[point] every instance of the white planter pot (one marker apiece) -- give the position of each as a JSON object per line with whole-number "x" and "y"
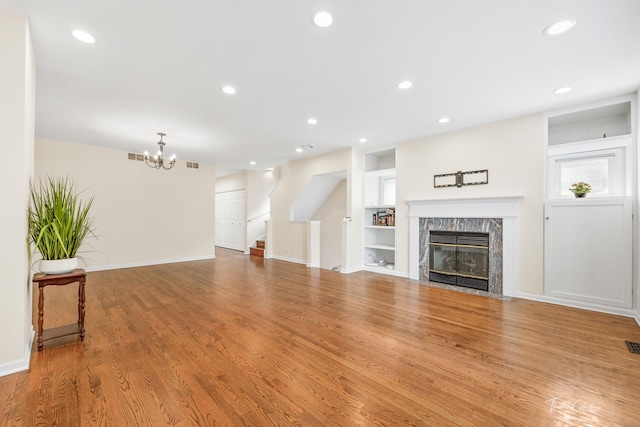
{"x": 58, "y": 266}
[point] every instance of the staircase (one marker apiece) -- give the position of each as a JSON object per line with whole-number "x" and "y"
{"x": 258, "y": 249}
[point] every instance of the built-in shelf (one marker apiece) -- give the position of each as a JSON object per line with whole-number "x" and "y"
{"x": 600, "y": 132}
{"x": 379, "y": 201}
{"x": 380, "y": 269}
{"x": 589, "y": 124}
{"x": 384, "y": 247}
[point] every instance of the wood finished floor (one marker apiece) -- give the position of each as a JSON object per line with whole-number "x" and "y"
{"x": 245, "y": 341}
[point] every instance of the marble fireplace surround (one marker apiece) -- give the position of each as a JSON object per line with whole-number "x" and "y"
{"x": 505, "y": 208}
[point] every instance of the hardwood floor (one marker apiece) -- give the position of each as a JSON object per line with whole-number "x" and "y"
{"x": 247, "y": 341}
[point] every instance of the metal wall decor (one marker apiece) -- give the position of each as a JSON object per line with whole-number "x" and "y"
{"x": 458, "y": 179}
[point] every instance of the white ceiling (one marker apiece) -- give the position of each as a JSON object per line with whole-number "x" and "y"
{"x": 159, "y": 65}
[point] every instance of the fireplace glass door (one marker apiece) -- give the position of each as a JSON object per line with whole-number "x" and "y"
{"x": 459, "y": 258}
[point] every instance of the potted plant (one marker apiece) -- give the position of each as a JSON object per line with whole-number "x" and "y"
{"x": 58, "y": 223}
{"x": 580, "y": 189}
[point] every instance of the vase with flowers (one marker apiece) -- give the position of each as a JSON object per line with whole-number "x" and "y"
{"x": 580, "y": 189}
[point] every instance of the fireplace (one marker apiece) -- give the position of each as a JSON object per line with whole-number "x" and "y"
{"x": 497, "y": 216}
{"x": 459, "y": 258}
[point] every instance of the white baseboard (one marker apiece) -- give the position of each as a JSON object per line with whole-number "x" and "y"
{"x": 148, "y": 263}
{"x": 350, "y": 270}
{"x": 20, "y": 364}
{"x": 297, "y": 261}
{"x": 387, "y": 271}
{"x": 626, "y": 312}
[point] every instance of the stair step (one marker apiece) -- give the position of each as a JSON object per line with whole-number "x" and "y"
{"x": 259, "y": 252}
{"x": 260, "y": 244}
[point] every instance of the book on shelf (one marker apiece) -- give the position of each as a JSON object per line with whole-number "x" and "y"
{"x": 386, "y": 218}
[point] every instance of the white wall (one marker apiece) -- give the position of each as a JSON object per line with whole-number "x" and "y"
{"x": 330, "y": 215}
{"x": 235, "y": 182}
{"x": 17, "y": 100}
{"x": 290, "y": 239}
{"x": 142, "y": 215}
{"x": 258, "y": 186}
{"x": 636, "y": 192}
{"x": 512, "y": 151}
{"x": 353, "y": 230}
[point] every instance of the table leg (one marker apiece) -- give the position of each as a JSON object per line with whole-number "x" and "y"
{"x": 81, "y": 299}
{"x": 40, "y": 317}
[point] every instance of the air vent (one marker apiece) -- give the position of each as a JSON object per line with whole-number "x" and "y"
{"x": 192, "y": 165}
{"x": 134, "y": 156}
{"x": 633, "y": 347}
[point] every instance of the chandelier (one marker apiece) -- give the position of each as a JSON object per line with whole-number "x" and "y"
{"x": 157, "y": 160}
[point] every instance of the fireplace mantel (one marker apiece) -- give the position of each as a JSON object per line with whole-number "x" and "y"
{"x": 472, "y": 207}
{"x": 505, "y": 207}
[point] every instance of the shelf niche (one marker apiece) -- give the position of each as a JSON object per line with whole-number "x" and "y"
{"x": 596, "y": 123}
{"x": 380, "y": 199}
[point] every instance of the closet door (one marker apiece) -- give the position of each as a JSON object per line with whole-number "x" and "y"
{"x": 588, "y": 250}
{"x": 230, "y": 220}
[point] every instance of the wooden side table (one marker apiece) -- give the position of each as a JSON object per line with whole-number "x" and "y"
{"x": 43, "y": 280}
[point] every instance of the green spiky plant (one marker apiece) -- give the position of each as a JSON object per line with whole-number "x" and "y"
{"x": 58, "y": 219}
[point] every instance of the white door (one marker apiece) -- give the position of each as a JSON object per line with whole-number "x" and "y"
{"x": 230, "y": 220}
{"x": 588, "y": 250}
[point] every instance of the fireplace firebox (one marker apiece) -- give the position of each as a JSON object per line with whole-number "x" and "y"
{"x": 459, "y": 258}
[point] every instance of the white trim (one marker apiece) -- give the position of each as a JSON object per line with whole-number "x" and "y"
{"x": 616, "y": 150}
{"x": 472, "y": 207}
{"x": 557, "y": 288}
{"x": 505, "y": 207}
{"x": 294, "y": 260}
{"x": 589, "y": 106}
{"x": 147, "y": 263}
{"x": 313, "y": 244}
{"x": 21, "y": 364}
{"x": 388, "y": 271}
{"x": 626, "y": 312}
{"x": 351, "y": 270}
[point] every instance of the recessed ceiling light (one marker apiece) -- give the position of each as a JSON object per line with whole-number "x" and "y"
{"x": 405, "y": 84}
{"x": 362, "y": 140}
{"x": 562, "y": 90}
{"x": 299, "y": 150}
{"x": 322, "y": 19}
{"x": 83, "y": 36}
{"x": 312, "y": 120}
{"x": 443, "y": 120}
{"x": 229, "y": 90}
{"x": 559, "y": 27}
{"x": 252, "y": 162}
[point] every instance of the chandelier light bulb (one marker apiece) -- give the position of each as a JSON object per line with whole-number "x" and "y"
{"x": 158, "y": 160}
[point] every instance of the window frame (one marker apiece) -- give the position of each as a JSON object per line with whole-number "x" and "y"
{"x": 616, "y": 149}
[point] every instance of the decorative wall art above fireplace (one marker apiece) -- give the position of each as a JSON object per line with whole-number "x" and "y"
{"x": 458, "y": 179}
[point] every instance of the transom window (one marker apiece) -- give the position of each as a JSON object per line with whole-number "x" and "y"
{"x": 601, "y": 163}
